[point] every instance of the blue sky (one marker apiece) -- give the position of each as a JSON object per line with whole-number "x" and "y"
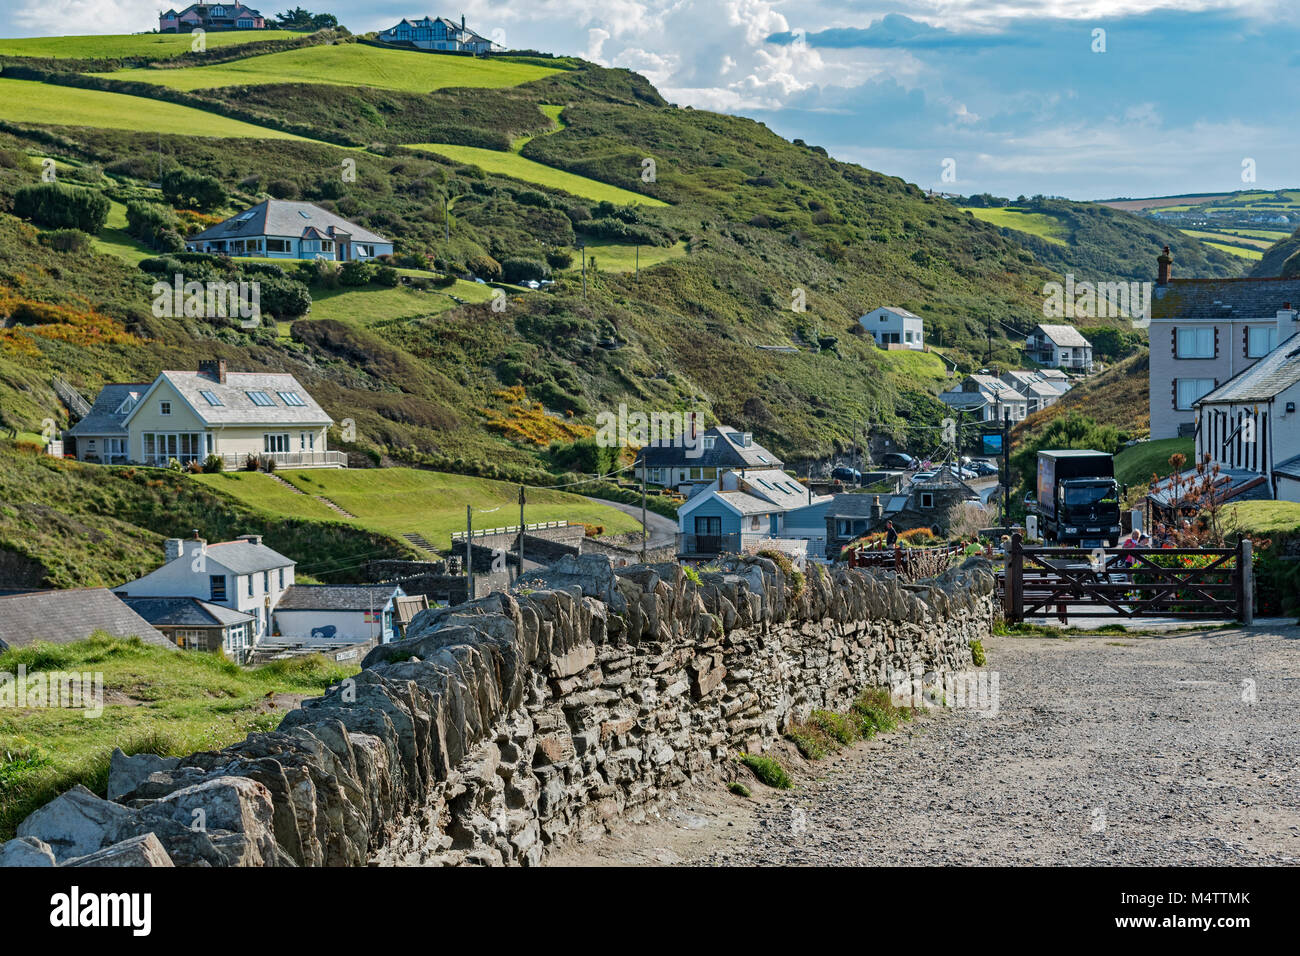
{"x": 1017, "y": 94}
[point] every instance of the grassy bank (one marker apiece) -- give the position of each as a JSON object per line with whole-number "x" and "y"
{"x": 155, "y": 700}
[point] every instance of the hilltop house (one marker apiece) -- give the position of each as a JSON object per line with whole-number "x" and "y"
{"x": 690, "y": 466}
{"x": 438, "y": 33}
{"x": 188, "y": 416}
{"x": 211, "y": 16}
{"x": 740, "y": 511}
{"x": 279, "y": 229}
{"x": 895, "y": 328}
{"x": 1205, "y": 332}
{"x": 1059, "y": 346}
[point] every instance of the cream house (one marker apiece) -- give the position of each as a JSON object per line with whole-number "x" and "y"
{"x": 187, "y": 416}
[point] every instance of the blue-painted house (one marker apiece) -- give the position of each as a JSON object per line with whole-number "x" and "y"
{"x": 739, "y": 512}
{"x": 279, "y": 229}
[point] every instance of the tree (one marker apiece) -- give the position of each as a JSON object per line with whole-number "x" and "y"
{"x": 57, "y": 206}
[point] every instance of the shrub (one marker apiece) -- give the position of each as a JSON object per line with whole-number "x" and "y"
{"x": 519, "y": 269}
{"x": 768, "y": 771}
{"x": 62, "y": 207}
{"x": 213, "y": 465}
{"x": 282, "y": 188}
{"x": 251, "y": 462}
{"x": 977, "y": 653}
{"x": 66, "y": 240}
{"x": 147, "y": 221}
{"x": 875, "y": 712}
{"x": 356, "y": 273}
{"x": 559, "y": 258}
{"x": 188, "y": 190}
{"x": 283, "y": 297}
{"x": 739, "y": 789}
{"x": 387, "y": 276}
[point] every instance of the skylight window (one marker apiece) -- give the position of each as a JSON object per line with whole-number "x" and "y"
{"x": 292, "y": 398}
{"x": 260, "y": 398}
{"x": 210, "y": 398}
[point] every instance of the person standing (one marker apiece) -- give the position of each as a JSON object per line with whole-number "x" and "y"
{"x": 891, "y": 536}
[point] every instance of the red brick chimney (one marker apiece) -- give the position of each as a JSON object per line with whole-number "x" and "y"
{"x": 214, "y": 369}
{"x": 1166, "y": 262}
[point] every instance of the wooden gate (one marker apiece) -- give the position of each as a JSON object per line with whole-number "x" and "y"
{"x": 1127, "y": 583}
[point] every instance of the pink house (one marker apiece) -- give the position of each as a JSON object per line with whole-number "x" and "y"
{"x": 211, "y": 16}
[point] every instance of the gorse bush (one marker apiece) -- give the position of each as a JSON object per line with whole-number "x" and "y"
{"x": 62, "y": 207}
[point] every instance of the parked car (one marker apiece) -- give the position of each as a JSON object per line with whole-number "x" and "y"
{"x": 923, "y": 476}
{"x": 983, "y": 468}
{"x": 848, "y": 475}
{"x": 896, "y": 459}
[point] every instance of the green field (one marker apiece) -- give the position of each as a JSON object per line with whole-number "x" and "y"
{"x": 1263, "y": 517}
{"x": 115, "y": 46}
{"x": 1237, "y": 250}
{"x": 1034, "y": 223}
{"x": 349, "y": 64}
{"x": 615, "y": 257}
{"x": 156, "y": 700}
{"x": 373, "y": 303}
{"x": 917, "y": 367}
{"x": 25, "y": 101}
{"x": 517, "y": 167}
{"x": 398, "y": 500}
{"x": 114, "y": 241}
{"x": 1134, "y": 465}
{"x": 1228, "y": 238}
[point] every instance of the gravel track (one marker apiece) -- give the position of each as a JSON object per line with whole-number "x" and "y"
{"x": 1111, "y": 749}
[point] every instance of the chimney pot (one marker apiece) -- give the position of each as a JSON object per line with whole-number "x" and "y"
{"x": 1165, "y": 262}
{"x": 214, "y": 369}
{"x": 251, "y": 538}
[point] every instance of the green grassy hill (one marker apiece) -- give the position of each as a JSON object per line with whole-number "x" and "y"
{"x": 746, "y": 242}
{"x": 1280, "y": 259}
{"x": 1100, "y": 243}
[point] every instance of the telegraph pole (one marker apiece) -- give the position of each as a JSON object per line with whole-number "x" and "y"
{"x": 582, "y": 247}
{"x": 636, "y": 275}
{"x": 521, "y": 531}
{"x": 469, "y": 553}
{"x": 1006, "y": 467}
{"x": 643, "y": 515}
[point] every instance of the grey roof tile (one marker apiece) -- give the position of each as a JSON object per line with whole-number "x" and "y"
{"x": 62, "y": 617}
{"x": 1223, "y": 298}
{"x": 279, "y": 217}
{"x": 328, "y": 597}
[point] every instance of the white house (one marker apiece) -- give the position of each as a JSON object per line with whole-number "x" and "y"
{"x": 895, "y": 328}
{"x": 1250, "y": 422}
{"x": 339, "y": 613}
{"x": 187, "y": 416}
{"x": 279, "y": 229}
{"x": 991, "y": 398}
{"x": 1059, "y": 346}
{"x": 430, "y": 33}
{"x": 243, "y": 575}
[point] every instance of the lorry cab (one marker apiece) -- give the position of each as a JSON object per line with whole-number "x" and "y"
{"x": 1087, "y": 511}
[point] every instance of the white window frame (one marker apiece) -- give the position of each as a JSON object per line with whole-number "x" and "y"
{"x": 1199, "y": 343}
{"x": 1193, "y": 384}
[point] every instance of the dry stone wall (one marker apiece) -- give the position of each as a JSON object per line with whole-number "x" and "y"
{"x": 514, "y": 724}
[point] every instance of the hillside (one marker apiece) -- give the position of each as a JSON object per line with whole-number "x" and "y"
{"x": 744, "y": 241}
{"x": 1280, "y": 259}
{"x": 1100, "y": 243}
{"x": 1244, "y": 223}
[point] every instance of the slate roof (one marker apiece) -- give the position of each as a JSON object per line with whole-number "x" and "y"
{"x": 1066, "y": 336}
{"x": 184, "y": 612}
{"x": 62, "y": 617}
{"x": 104, "y": 418}
{"x": 1274, "y": 373}
{"x": 855, "y": 504}
{"x": 747, "y": 504}
{"x": 1243, "y": 298}
{"x": 409, "y": 605}
{"x": 244, "y": 557}
{"x": 329, "y": 597}
{"x": 727, "y": 452}
{"x": 280, "y": 217}
{"x": 237, "y": 408}
{"x": 1231, "y": 484}
{"x": 775, "y": 486}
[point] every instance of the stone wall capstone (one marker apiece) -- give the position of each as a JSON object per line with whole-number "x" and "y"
{"x": 500, "y": 729}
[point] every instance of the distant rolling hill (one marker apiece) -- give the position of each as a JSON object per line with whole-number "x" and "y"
{"x": 1099, "y": 243}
